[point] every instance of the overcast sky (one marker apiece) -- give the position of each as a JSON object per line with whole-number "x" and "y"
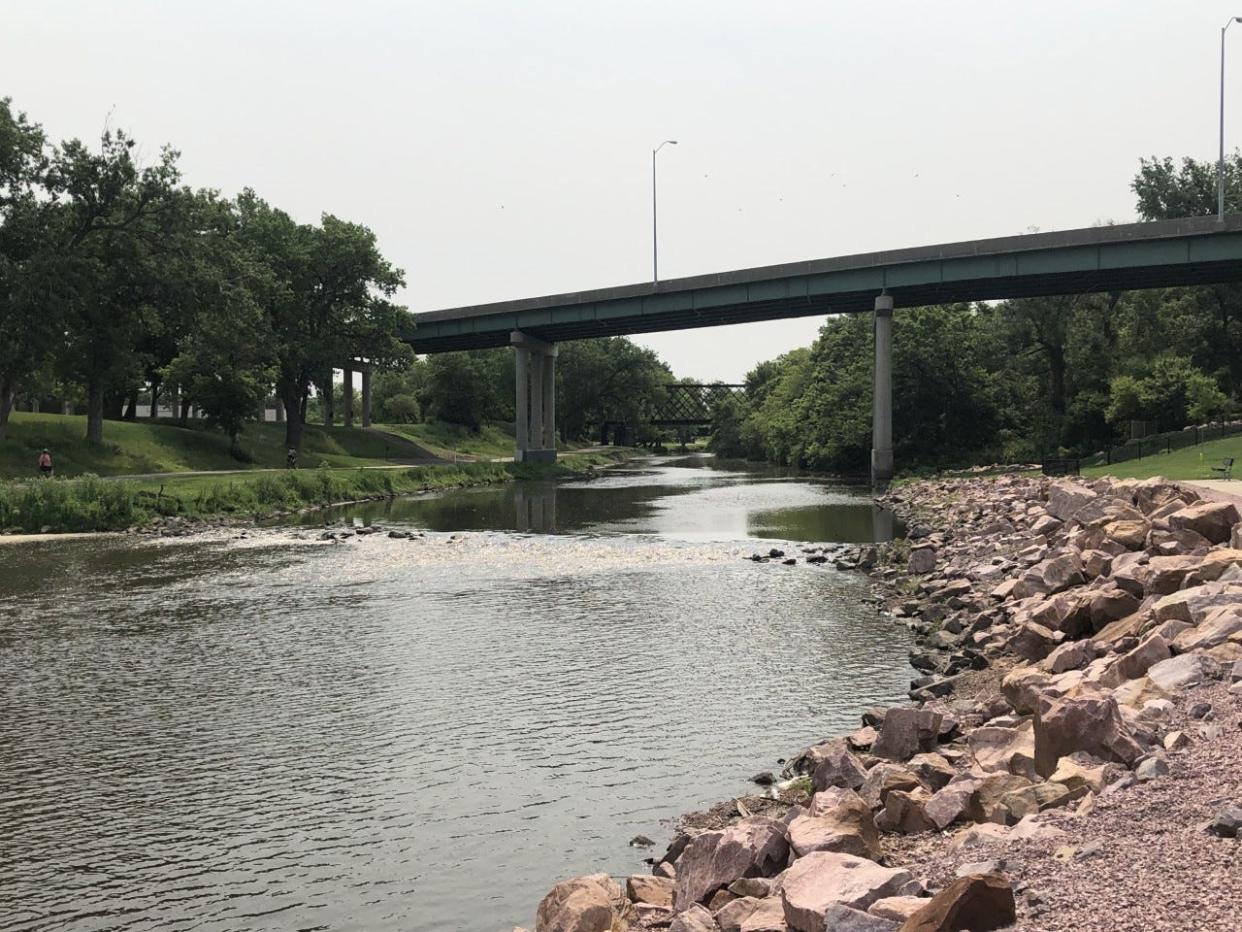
{"x": 503, "y": 149}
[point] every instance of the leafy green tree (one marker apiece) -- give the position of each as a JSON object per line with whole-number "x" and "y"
{"x": 115, "y": 216}
{"x": 607, "y": 379}
{"x": 330, "y": 303}
{"x": 29, "y": 313}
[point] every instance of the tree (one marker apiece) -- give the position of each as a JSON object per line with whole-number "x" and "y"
{"x": 607, "y": 379}
{"x": 29, "y": 325}
{"x": 459, "y": 389}
{"x": 330, "y": 302}
{"x": 225, "y": 359}
{"x": 115, "y": 220}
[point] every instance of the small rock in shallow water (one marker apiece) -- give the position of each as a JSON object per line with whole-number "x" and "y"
{"x": 776, "y": 554}
{"x": 767, "y": 778}
{"x": 641, "y": 841}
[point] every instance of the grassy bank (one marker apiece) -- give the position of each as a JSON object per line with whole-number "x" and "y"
{"x": 449, "y": 440}
{"x": 1190, "y": 463}
{"x": 91, "y": 503}
{"x": 136, "y": 447}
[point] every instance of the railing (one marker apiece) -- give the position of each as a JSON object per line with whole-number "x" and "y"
{"x": 1163, "y": 443}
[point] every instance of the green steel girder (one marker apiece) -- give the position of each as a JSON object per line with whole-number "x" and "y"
{"x": 1114, "y": 258}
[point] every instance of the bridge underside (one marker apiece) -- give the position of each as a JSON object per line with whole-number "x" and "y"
{"x": 1100, "y": 259}
{"x": 1198, "y": 251}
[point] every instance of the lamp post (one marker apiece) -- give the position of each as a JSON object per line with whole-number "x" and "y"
{"x": 655, "y": 249}
{"x": 1220, "y": 165}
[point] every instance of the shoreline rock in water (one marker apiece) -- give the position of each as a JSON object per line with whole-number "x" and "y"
{"x": 1072, "y": 760}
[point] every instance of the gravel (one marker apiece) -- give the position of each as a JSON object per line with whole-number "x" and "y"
{"x": 1141, "y": 859}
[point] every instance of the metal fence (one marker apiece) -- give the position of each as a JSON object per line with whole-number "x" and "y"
{"x": 1163, "y": 443}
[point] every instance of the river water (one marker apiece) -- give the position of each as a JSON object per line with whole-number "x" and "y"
{"x": 278, "y": 733}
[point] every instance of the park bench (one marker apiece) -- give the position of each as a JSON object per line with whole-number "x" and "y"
{"x": 1225, "y": 468}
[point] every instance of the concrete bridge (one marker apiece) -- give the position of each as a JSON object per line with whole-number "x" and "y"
{"x": 1098, "y": 259}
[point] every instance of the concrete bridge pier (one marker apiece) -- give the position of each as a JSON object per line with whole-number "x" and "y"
{"x": 366, "y": 397}
{"x": 882, "y": 399}
{"x": 535, "y": 367}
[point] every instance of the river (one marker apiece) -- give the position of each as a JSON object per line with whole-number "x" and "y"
{"x": 272, "y": 732}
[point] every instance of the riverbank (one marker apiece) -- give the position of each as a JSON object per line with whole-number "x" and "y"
{"x": 1071, "y": 759}
{"x": 91, "y": 504}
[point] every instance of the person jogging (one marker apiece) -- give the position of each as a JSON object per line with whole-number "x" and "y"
{"x": 45, "y": 464}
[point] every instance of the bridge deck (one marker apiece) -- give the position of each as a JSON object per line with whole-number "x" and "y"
{"x": 1199, "y": 250}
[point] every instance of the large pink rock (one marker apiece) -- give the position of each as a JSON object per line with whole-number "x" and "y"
{"x": 814, "y": 883}
{"x": 848, "y": 828}
{"x": 644, "y": 888}
{"x": 1213, "y": 520}
{"x": 951, "y": 804}
{"x": 1066, "y": 497}
{"x": 768, "y": 916}
{"x": 1221, "y": 625}
{"x": 1089, "y": 723}
{"x": 1150, "y": 651}
{"x": 694, "y": 919}
{"x": 1051, "y": 576}
{"x": 835, "y": 765}
{"x": 754, "y": 847}
{"x": 1004, "y": 750}
{"x": 582, "y": 904}
{"x": 907, "y": 732}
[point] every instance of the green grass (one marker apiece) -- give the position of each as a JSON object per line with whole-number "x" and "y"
{"x": 445, "y": 440}
{"x": 91, "y": 503}
{"x": 1189, "y": 463}
{"x": 136, "y": 447}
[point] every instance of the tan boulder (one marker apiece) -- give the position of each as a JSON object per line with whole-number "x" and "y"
{"x": 1215, "y": 565}
{"x": 1072, "y": 656}
{"x": 768, "y": 916}
{"x": 694, "y": 919}
{"x": 905, "y": 813}
{"x": 933, "y": 769}
{"x": 754, "y": 847}
{"x": 1086, "y": 723}
{"x": 1081, "y": 772}
{"x": 731, "y": 916}
{"x": 814, "y": 883}
{"x": 1035, "y": 798}
{"x": 581, "y": 904}
{"x": 1213, "y": 520}
{"x": 897, "y": 908}
{"x": 644, "y": 888}
{"x": 986, "y": 805}
{"x": 1107, "y": 604}
{"x": 1022, "y": 687}
{"x": 1182, "y": 672}
{"x": 1035, "y": 641}
{"x": 1220, "y": 625}
{"x": 1096, "y": 563}
{"x": 952, "y": 803}
{"x": 979, "y": 902}
{"x": 1165, "y": 575}
{"x": 906, "y": 732}
{"x": 1131, "y": 534}
{"x": 883, "y": 779}
{"x": 1066, "y": 497}
{"x": 1133, "y": 664}
{"x": 1051, "y": 576}
{"x": 1191, "y": 605}
{"x": 1004, "y": 750}
{"x": 848, "y": 828}
{"x": 834, "y": 764}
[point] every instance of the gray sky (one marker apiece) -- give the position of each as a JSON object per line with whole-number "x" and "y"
{"x": 502, "y": 149}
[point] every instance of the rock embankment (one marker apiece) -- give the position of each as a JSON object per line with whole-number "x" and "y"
{"x": 1073, "y": 758}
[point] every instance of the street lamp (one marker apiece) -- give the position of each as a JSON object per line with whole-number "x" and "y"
{"x": 655, "y": 251}
{"x": 1220, "y": 165}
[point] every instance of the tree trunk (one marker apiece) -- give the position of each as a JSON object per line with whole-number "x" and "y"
{"x": 185, "y": 411}
{"x": 131, "y": 407}
{"x": 294, "y": 399}
{"x": 155, "y": 398}
{"x": 8, "y": 392}
{"x": 94, "y": 413}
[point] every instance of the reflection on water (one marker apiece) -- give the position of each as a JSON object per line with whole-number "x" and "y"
{"x": 685, "y": 498}
{"x": 278, "y": 733}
